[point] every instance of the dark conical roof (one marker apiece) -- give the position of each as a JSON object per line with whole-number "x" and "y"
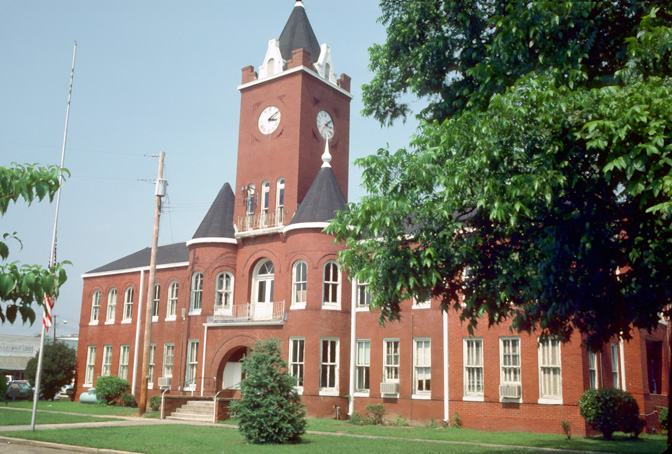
{"x": 323, "y": 199}
{"x": 170, "y": 253}
{"x": 218, "y": 222}
{"x": 298, "y": 34}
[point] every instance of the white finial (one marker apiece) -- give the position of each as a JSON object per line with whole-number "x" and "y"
{"x": 298, "y": 3}
{"x": 326, "y": 156}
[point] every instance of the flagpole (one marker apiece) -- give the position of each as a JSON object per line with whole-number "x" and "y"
{"x": 48, "y": 300}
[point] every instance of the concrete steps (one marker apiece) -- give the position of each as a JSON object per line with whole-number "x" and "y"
{"x": 194, "y": 411}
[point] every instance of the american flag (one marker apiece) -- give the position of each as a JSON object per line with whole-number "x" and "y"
{"x": 49, "y": 300}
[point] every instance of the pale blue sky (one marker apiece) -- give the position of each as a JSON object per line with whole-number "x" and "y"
{"x": 150, "y": 75}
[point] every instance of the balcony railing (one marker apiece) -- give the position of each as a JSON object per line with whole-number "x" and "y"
{"x": 261, "y": 221}
{"x": 252, "y": 312}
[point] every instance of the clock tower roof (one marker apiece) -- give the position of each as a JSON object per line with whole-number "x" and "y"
{"x": 298, "y": 34}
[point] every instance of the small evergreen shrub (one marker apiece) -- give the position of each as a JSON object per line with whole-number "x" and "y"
{"x": 128, "y": 400}
{"x": 270, "y": 409}
{"x": 110, "y": 389}
{"x": 155, "y": 403}
{"x": 567, "y": 428}
{"x": 377, "y": 412}
{"x": 662, "y": 417}
{"x": 610, "y": 410}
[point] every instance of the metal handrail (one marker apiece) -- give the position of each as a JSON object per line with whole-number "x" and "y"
{"x": 162, "y": 395}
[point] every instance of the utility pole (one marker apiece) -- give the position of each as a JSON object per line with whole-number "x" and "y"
{"x": 159, "y": 192}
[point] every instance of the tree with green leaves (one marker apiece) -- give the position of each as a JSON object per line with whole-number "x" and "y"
{"x": 537, "y": 190}
{"x": 270, "y": 410}
{"x": 58, "y": 368}
{"x": 22, "y": 285}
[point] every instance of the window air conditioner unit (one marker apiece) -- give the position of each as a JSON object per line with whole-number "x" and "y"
{"x": 165, "y": 382}
{"x": 389, "y": 388}
{"x": 510, "y": 391}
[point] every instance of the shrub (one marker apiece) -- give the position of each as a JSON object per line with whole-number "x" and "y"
{"x": 431, "y": 424}
{"x": 270, "y": 409}
{"x": 109, "y": 389}
{"x": 609, "y": 410}
{"x": 155, "y": 403}
{"x": 377, "y": 412}
{"x": 58, "y": 368}
{"x": 128, "y": 400}
{"x": 400, "y": 421}
{"x": 456, "y": 421}
{"x": 662, "y": 417}
{"x": 567, "y": 428}
{"x": 359, "y": 419}
{"x": 3, "y": 387}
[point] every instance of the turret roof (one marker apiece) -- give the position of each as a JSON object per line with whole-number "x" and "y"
{"x": 218, "y": 222}
{"x": 322, "y": 200}
{"x": 298, "y": 34}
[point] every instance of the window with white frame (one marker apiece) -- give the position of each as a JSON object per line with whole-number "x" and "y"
{"x": 152, "y": 362}
{"x": 155, "y": 302}
{"x": 391, "y": 360}
{"x": 296, "y": 361}
{"x": 168, "y": 356}
{"x": 329, "y": 366}
{"x": 280, "y": 201}
{"x": 95, "y": 307}
{"x": 550, "y": 371}
{"x": 171, "y": 310}
{"x": 592, "y": 369}
{"x": 615, "y": 375}
{"x": 362, "y": 365}
{"x": 509, "y": 350}
{"x": 196, "y": 300}
{"x": 264, "y": 282}
{"x": 111, "y": 305}
{"x": 90, "y": 365}
{"x": 426, "y": 304}
{"x": 192, "y": 363}
{"x": 473, "y": 367}
{"x": 363, "y": 296}
{"x": 128, "y": 305}
{"x": 224, "y": 292}
{"x": 107, "y": 361}
{"x": 299, "y": 284}
{"x": 123, "y": 362}
{"x": 250, "y": 200}
{"x": 265, "y": 201}
{"x": 422, "y": 367}
{"x": 331, "y": 285}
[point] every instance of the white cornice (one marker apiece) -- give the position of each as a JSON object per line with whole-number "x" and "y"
{"x": 207, "y": 240}
{"x": 306, "y": 225}
{"x": 292, "y": 71}
{"x": 134, "y": 270}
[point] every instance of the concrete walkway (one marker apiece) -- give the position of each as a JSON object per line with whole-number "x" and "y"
{"x": 27, "y": 445}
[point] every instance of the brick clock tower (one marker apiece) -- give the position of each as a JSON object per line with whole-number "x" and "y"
{"x": 288, "y": 113}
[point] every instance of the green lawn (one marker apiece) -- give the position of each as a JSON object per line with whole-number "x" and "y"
{"x": 18, "y": 418}
{"x": 77, "y": 407}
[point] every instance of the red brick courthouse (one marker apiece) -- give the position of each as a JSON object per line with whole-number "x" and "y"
{"x": 259, "y": 266}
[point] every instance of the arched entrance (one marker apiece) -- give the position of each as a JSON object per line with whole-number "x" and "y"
{"x": 232, "y": 372}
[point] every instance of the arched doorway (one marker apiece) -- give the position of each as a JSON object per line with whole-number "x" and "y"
{"x": 232, "y": 374}
{"x": 262, "y": 290}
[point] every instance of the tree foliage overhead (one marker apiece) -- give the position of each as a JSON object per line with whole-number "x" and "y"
{"x": 58, "y": 368}
{"x": 21, "y": 285}
{"x": 539, "y": 188}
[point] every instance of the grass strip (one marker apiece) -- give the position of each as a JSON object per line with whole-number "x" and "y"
{"x": 78, "y": 407}
{"x": 19, "y": 418}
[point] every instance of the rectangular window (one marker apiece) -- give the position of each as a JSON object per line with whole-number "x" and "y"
{"x": 196, "y": 293}
{"x": 123, "y": 362}
{"x": 362, "y": 366}
{"x": 107, "y": 361}
{"x": 592, "y": 369}
{"x": 192, "y": 363}
{"x": 615, "y": 376}
{"x": 152, "y": 362}
{"x": 90, "y": 365}
{"x": 422, "y": 367}
{"x": 111, "y": 306}
{"x": 168, "y": 355}
{"x": 391, "y": 360}
{"x": 95, "y": 307}
{"x": 473, "y": 367}
{"x": 363, "y": 296}
{"x": 426, "y": 304}
{"x": 128, "y": 304}
{"x": 331, "y": 285}
{"x": 299, "y": 284}
{"x": 296, "y": 349}
{"x": 329, "y": 366}
{"x": 171, "y": 311}
{"x": 550, "y": 372}
{"x": 510, "y": 360}
{"x": 155, "y": 302}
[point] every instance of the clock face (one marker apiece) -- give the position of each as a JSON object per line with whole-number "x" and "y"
{"x": 269, "y": 119}
{"x": 325, "y": 124}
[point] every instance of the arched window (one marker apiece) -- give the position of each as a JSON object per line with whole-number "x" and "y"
{"x": 327, "y": 71}
{"x": 196, "y": 293}
{"x": 128, "y": 304}
{"x": 264, "y": 276}
{"x": 111, "y": 305}
{"x": 171, "y": 310}
{"x": 265, "y": 194}
{"x": 299, "y": 284}
{"x": 224, "y": 292}
{"x": 250, "y": 199}
{"x": 270, "y": 67}
{"x": 331, "y": 288}
{"x": 280, "y": 202}
{"x": 155, "y": 302}
{"x": 95, "y": 306}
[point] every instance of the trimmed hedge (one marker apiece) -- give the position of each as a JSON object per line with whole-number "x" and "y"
{"x": 611, "y": 410}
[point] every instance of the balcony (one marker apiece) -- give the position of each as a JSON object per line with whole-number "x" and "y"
{"x": 251, "y": 314}
{"x": 252, "y": 224}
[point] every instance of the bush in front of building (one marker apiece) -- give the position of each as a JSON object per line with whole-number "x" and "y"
{"x": 155, "y": 403}
{"x": 662, "y": 417}
{"x": 128, "y": 400}
{"x": 58, "y": 368}
{"x": 3, "y": 387}
{"x": 611, "y": 410}
{"x": 270, "y": 408}
{"x": 110, "y": 389}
